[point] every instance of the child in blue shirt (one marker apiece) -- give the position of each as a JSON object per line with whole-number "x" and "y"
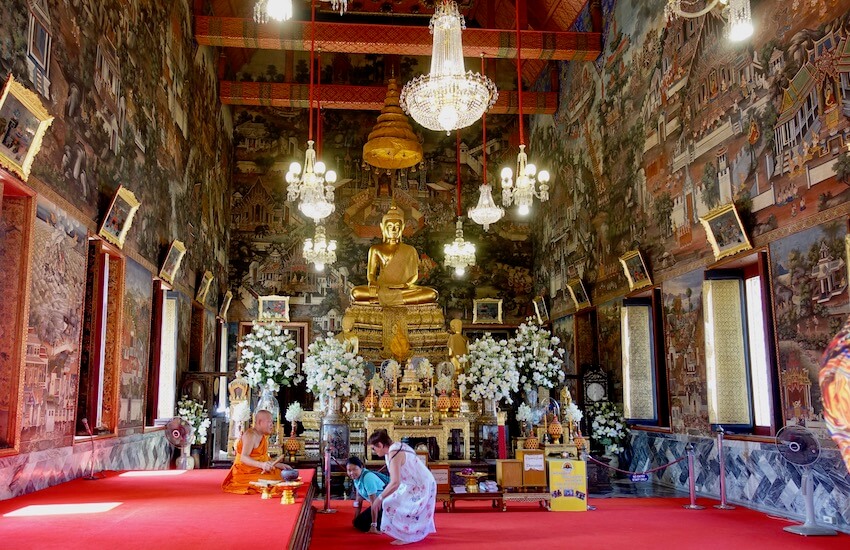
{"x": 368, "y": 485}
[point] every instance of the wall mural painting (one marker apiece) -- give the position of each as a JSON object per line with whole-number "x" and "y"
{"x": 184, "y": 336}
{"x": 685, "y": 348}
{"x": 811, "y": 303}
{"x": 684, "y": 120}
{"x": 267, "y": 233}
{"x": 135, "y": 344}
{"x": 210, "y": 327}
{"x": 610, "y": 345}
{"x": 53, "y": 336}
{"x": 564, "y": 328}
{"x": 13, "y": 216}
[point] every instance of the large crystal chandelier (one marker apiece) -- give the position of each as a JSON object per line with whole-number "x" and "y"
{"x": 447, "y": 98}
{"x": 279, "y": 10}
{"x": 459, "y": 253}
{"x": 319, "y": 250}
{"x": 314, "y": 185}
{"x": 737, "y": 12}
{"x": 485, "y": 212}
{"x": 523, "y": 191}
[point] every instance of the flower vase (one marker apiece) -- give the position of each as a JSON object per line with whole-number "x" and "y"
{"x": 268, "y": 402}
{"x": 335, "y": 432}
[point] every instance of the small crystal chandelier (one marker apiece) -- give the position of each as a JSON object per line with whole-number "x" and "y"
{"x": 314, "y": 186}
{"x": 447, "y": 98}
{"x": 319, "y": 250}
{"x": 459, "y": 253}
{"x": 340, "y": 5}
{"x": 523, "y": 192}
{"x": 485, "y": 212}
{"x": 738, "y": 13}
{"x": 279, "y": 10}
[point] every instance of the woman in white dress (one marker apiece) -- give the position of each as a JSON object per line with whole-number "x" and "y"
{"x": 409, "y": 499}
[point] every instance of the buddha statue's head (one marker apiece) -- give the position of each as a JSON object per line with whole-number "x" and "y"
{"x": 392, "y": 224}
{"x": 456, "y": 325}
{"x": 348, "y": 322}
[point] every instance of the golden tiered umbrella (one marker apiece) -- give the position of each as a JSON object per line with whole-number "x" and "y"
{"x": 392, "y": 144}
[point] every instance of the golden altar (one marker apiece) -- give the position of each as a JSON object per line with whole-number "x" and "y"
{"x": 441, "y": 430}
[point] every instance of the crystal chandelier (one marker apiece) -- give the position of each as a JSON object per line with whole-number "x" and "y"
{"x": 523, "y": 191}
{"x": 737, "y": 12}
{"x": 340, "y": 5}
{"x": 459, "y": 253}
{"x": 314, "y": 185}
{"x": 448, "y": 97}
{"x": 319, "y": 250}
{"x": 485, "y": 212}
{"x": 279, "y": 10}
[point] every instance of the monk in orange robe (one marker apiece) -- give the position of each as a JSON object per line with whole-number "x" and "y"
{"x": 252, "y": 462}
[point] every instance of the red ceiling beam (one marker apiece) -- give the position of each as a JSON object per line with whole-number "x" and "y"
{"x": 236, "y": 32}
{"x": 368, "y": 98}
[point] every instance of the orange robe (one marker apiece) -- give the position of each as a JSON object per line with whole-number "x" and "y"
{"x": 241, "y": 474}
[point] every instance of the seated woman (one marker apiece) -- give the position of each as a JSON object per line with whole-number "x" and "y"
{"x": 369, "y": 486}
{"x": 409, "y": 499}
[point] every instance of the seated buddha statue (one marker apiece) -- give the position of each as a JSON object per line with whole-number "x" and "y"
{"x": 393, "y": 269}
{"x": 347, "y": 336}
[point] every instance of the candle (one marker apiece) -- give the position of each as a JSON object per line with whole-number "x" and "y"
{"x": 545, "y": 419}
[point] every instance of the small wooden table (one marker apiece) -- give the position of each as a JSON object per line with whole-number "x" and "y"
{"x": 495, "y": 498}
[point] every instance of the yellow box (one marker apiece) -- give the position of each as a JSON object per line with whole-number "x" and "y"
{"x": 509, "y": 473}
{"x": 567, "y": 485}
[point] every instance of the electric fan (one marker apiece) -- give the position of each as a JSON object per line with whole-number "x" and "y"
{"x": 799, "y": 446}
{"x": 179, "y": 433}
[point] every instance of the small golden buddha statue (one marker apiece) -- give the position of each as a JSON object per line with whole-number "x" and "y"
{"x": 457, "y": 344}
{"x": 393, "y": 269}
{"x": 347, "y": 337}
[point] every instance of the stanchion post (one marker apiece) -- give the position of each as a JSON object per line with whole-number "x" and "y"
{"x": 583, "y": 452}
{"x": 721, "y": 457}
{"x": 692, "y": 480}
{"x": 327, "y": 509}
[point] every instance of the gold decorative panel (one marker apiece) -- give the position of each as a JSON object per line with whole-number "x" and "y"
{"x": 726, "y": 365}
{"x": 638, "y": 390}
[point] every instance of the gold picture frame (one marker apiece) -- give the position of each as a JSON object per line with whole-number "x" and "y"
{"x": 487, "y": 310}
{"x": 225, "y": 305}
{"x": 273, "y": 308}
{"x": 204, "y": 287}
{"x": 540, "y": 309}
{"x": 23, "y": 123}
{"x": 119, "y": 217}
{"x": 635, "y": 269}
{"x": 578, "y": 293}
{"x": 725, "y": 231}
{"x": 171, "y": 265}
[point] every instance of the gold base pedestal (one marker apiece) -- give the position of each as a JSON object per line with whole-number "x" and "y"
{"x": 288, "y": 489}
{"x": 423, "y": 325}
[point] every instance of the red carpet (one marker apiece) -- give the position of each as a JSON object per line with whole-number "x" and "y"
{"x": 617, "y": 523}
{"x": 184, "y": 511}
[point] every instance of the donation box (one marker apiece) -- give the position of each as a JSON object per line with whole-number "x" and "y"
{"x": 568, "y": 485}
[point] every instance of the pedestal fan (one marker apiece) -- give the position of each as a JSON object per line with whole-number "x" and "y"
{"x": 799, "y": 446}
{"x": 179, "y": 433}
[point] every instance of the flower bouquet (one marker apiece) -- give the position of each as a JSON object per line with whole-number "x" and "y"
{"x": 333, "y": 371}
{"x": 490, "y": 371}
{"x": 269, "y": 357}
{"x": 539, "y": 359}
{"x": 195, "y": 414}
{"x": 608, "y": 427}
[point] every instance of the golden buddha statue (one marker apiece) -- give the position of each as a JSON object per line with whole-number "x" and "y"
{"x": 393, "y": 269}
{"x": 347, "y": 336}
{"x": 457, "y": 344}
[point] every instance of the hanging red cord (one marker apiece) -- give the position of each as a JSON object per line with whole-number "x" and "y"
{"x": 312, "y": 49}
{"x": 519, "y": 73}
{"x": 457, "y": 157}
{"x": 484, "y": 127}
{"x": 319, "y": 106}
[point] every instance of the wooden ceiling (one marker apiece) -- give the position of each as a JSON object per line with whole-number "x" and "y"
{"x": 391, "y": 27}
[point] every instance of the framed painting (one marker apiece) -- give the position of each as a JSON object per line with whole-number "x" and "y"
{"x": 725, "y": 232}
{"x": 168, "y": 272}
{"x": 578, "y": 293}
{"x": 225, "y": 305}
{"x": 487, "y": 310}
{"x": 273, "y": 308}
{"x": 23, "y": 123}
{"x": 540, "y": 309}
{"x": 635, "y": 270}
{"x": 204, "y": 288}
{"x": 119, "y": 217}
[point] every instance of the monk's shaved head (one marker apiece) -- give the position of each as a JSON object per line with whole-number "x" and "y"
{"x": 264, "y": 414}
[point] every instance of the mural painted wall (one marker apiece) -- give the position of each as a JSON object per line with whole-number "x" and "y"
{"x": 135, "y": 344}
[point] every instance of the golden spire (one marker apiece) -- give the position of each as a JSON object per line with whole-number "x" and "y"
{"x": 392, "y": 143}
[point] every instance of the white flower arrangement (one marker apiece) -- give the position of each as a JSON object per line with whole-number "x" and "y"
{"x": 490, "y": 370}
{"x": 333, "y": 371}
{"x": 392, "y": 370}
{"x": 523, "y": 413}
{"x": 539, "y": 359}
{"x": 378, "y": 384}
{"x": 572, "y": 413}
{"x": 241, "y": 411}
{"x": 269, "y": 357}
{"x": 294, "y": 412}
{"x": 195, "y": 414}
{"x": 607, "y": 427}
{"x": 444, "y": 384}
{"x": 424, "y": 369}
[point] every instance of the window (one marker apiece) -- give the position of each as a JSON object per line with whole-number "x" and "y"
{"x": 644, "y": 375}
